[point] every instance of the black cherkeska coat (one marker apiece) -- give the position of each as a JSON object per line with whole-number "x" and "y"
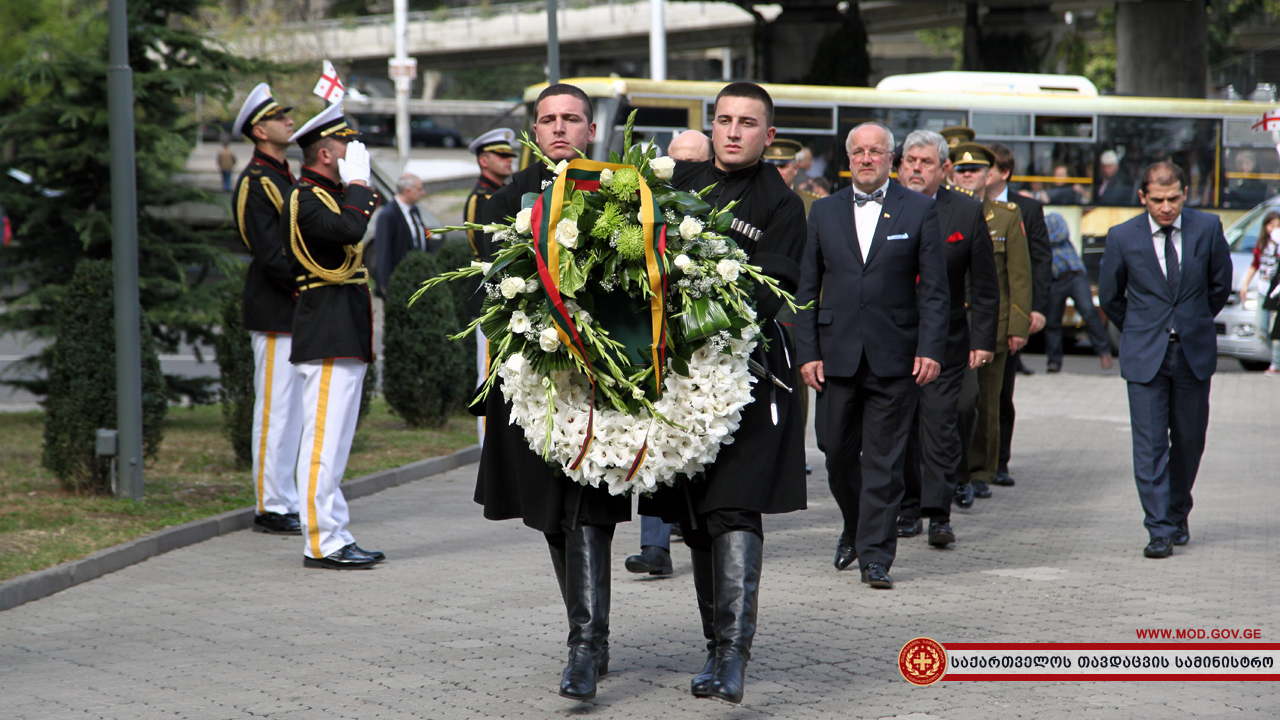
{"x": 256, "y": 209}
{"x": 763, "y": 469}
{"x": 515, "y": 482}
{"x": 332, "y": 321}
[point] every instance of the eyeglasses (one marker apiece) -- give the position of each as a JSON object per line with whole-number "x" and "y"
{"x": 872, "y": 153}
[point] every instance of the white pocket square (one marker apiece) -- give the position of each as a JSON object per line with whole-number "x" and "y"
{"x": 903, "y": 236}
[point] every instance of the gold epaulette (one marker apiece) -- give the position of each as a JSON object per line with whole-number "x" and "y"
{"x": 242, "y": 200}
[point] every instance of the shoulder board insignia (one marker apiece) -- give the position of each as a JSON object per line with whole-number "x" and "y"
{"x": 963, "y": 191}
{"x": 1011, "y": 205}
{"x": 255, "y": 170}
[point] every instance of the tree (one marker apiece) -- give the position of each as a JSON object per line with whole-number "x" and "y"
{"x": 234, "y": 351}
{"x": 59, "y": 136}
{"x": 82, "y": 382}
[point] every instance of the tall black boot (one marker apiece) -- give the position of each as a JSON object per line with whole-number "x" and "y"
{"x": 736, "y": 557}
{"x": 704, "y": 584}
{"x": 587, "y": 602}
{"x": 557, "y": 562}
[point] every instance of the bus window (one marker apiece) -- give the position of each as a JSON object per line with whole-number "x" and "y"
{"x": 1001, "y": 125}
{"x": 1249, "y": 176}
{"x": 1064, "y": 126}
{"x": 1129, "y": 144}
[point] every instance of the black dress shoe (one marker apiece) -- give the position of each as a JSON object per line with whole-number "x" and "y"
{"x": 347, "y": 558}
{"x": 1161, "y": 547}
{"x": 845, "y": 554}
{"x": 1053, "y": 368}
{"x": 875, "y": 575}
{"x": 1182, "y": 535}
{"x": 940, "y": 533}
{"x": 964, "y": 496}
{"x": 652, "y": 559}
{"x": 980, "y": 489}
{"x": 377, "y": 555}
{"x": 908, "y": 527}
{"x": 277, "y": 523}
{"x": 1002, "y": 479}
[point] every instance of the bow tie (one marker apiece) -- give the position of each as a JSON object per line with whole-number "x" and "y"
{"x": 875, "y": 197}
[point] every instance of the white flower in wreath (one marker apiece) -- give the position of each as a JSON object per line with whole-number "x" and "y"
{"x": 524, "y": 221}
{"x": 567, "y": 233}
{"x": 494, "y": 228}
{"x": 606, "y": 177}
{"x": 662, "y": 167}
{"x": 728, "y": 270}
{"x": 532, "y": 285}
{"x": 516, "y": 362}
{"x": 519, "y": 323}
{"x": 682, "y": 261}
{"x": 511, "y": 286}
{"x": 690, "y": 228}
{"x": 560, "y": 167}
{"x": 549, "y": 340}
{"x": 485, "y": 267}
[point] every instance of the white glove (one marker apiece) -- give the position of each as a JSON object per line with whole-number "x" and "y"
{"x": 355, "y": 166}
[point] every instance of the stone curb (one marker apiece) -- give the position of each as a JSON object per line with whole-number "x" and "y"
{"x": 43, "y": 583}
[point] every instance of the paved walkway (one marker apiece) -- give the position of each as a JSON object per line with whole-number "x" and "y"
{"x": 464, "y": 621}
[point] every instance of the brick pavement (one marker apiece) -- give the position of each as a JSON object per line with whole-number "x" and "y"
{"x": 464, "y": 621}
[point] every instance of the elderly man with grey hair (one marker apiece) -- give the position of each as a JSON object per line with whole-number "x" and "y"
{"x": 877, "y": 336}
{"x": 937, "y": 465}
{"x": 1114, "y": 187}
{"x": 399, "y": 231}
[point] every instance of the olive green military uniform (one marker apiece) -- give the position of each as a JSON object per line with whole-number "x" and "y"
{"x": 1013, "y": 268}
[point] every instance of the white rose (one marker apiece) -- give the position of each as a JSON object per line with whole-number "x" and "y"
{"x": 524, "y": 218}
{"x": 682, "y": 261}
{"x": 728, "y": 270}
{"x": 532, "y": 286}
{"x": 515, "y": 363}
{"x": 662, "y": 167}
{"x": 561, "y": 166}
{"x": 690, "y": 228}
{"x": 511, "y": 286}
{"x": 519, "y": 323}
{"x": 567, "y": 233}
{"x": 606, "y": 177}
{"x": 549, "y": 340}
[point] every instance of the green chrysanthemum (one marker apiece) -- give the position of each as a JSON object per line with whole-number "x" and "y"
{"x": 610, "y": 220}
{"x": 630, "y": 242}
{"x": 626, "y": 183}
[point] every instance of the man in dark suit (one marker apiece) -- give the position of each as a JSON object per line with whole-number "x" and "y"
{"x": 398, "y": 231}
{"x": 1165, "y": 275}
{"x": 874, "y": 259}
{"x": 934, "y": 446}
{"x": 1041, "y": 251}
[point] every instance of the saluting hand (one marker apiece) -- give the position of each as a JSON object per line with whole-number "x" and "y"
{"x": 354, "y": 168}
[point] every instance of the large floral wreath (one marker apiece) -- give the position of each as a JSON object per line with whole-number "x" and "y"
{"x": 620, "y": 320}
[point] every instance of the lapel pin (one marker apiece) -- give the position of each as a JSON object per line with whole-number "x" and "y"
{"x": 886, "y": 214}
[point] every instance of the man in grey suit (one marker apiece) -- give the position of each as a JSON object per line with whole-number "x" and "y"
{"x": 874, "y": 260}
{"x": 1165, "y": 275}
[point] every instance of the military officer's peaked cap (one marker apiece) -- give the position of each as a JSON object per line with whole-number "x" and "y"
{"x": 971, "y": 153}
{"x": 958, "y": 134}
{"x": 257, "y": 107}
{"x": 329, "y": 123}
{"x": 782, "y": 152}
{"x": 497, "y": 141}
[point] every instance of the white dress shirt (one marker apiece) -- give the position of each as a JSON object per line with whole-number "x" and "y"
{"x": 1157, "y": 239}
{"x": 414, "y": 229}
{"x": 866, "y": 218}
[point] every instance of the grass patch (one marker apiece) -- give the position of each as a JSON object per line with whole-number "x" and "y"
{"x": 193, "y": 477}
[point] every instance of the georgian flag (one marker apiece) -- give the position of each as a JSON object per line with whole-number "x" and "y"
{"x": 330, "y": 87}
{"x": 1269, "y": 121}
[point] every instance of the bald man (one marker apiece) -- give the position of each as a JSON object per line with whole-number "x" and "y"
{"x": 690, "y": 145}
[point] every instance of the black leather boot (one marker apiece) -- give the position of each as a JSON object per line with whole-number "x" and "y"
{"x": 587, "y": 602}
{"x": 736, "y": 557}
{"x": 557, "y": 562}
{"x": 704, "y": 584}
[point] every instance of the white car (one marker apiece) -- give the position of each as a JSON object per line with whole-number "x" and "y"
{"x": 1238, "y": 333}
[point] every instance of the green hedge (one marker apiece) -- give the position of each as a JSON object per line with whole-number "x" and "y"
{"x": 424, "y": 373}
{"x": 234, "y": 351}
{"x": 82, "y": 382}
{"x": 456, "y": 253}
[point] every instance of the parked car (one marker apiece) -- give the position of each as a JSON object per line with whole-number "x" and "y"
{"x": 1238, "y": 333}
{"x": 423, "y": 131}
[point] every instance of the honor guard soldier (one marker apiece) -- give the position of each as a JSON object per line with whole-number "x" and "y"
{"x": 268, "y": 311}
{"x": 494, "y": 155}
{"x": 328, "y": 211}
{"x": 954, "y": 136}
{"x": 972, "y": 162}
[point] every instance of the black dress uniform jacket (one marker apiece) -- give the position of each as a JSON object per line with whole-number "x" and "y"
{"x": 971, "y": 261}
{"x": 331, "y": 320}
{"x": 514, "y": 481}
{"x": 473, "y": 212}
{"x": 256, "y": 208}
{"x": 763, "y": 469}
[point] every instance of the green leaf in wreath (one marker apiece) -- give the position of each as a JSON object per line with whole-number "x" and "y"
{"x": 723, "y": 222}
{"x": 528, "y": 200}
{"x": 703, "y": 318}
{"x": 614, "y": 157}
{"x": 680, "y": 365}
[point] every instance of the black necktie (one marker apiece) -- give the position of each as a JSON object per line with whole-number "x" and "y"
{"x": 875, "y": 197}
{"x": 418, "y": 240}
{"x": 1172, "y": 268}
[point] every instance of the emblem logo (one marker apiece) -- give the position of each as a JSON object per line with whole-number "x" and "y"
{"x": 922, "y": 661}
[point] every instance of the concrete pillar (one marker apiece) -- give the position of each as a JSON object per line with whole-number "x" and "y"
{"x": 1162, "y": 48}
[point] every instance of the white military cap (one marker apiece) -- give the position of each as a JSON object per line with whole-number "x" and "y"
{"x": 257, "y": 107}
{"x": 497, "y": 141}
{"x": 329, "y": 123}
